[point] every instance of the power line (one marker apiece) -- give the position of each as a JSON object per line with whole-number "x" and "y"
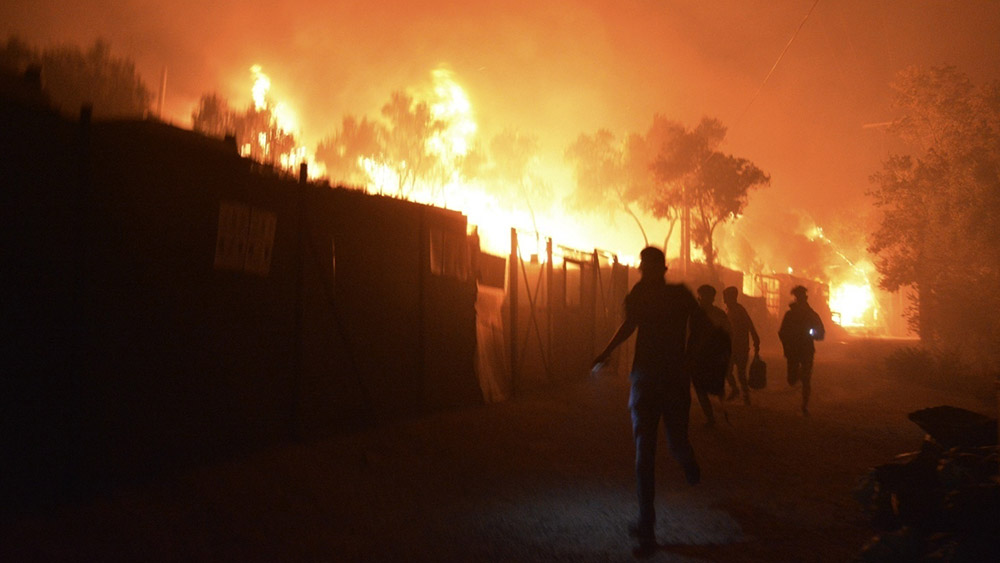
{"x": 775, "y": 65}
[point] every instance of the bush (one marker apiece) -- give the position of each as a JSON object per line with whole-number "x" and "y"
{"x": 940, "y": 369}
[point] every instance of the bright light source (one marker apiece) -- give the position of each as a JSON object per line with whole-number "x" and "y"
{"x": 853, "y": 302}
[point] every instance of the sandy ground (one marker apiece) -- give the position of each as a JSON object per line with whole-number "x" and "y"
{"x": 543, "y": 477}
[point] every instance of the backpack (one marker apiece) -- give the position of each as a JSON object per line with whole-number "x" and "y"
{"x": 711, "y": 364}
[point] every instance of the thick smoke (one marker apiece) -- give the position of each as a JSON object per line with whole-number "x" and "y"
{"x": 556, "y": 69}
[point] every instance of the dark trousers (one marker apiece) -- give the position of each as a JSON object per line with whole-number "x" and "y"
{"x": 706, "y": 405}
{"x": 739, "y": 360}
{"x": 800, "y": 369}
{"x": 646, "y": 415}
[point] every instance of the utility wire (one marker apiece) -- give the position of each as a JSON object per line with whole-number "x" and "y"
{"x": 775, "y": 65}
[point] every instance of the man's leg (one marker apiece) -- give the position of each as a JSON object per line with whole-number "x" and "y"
{"x": 793, "y": 370}
{"x": 740, "y": 363}
{"x": 805, "y": 373}
{"x": 706, "y": 406}
{"x": 645, "y": 421}
{"x": 676, "y": 414}
{"x": 733, "y": 389}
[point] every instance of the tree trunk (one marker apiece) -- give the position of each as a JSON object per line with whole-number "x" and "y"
{"x": 670, "y": 232}
{"x": 637, "y": 222}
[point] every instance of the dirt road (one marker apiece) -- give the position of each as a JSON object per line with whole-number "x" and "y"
{"x": 544, "y": 477}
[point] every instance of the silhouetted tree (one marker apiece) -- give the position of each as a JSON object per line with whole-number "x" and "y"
{"x": 719, "y": 193}
{"x": 513, "y": 156}
{"x": 266, "y": 139}
{"x": 940, "y": 209}
{"x": 257, "y": 132}
{"x": 214, "y": 117}
{"x": 679, "y": 152}
{"x": 16, "y": 55}
{"x": 476, "y": 162}
{"x": 697, "y": 179}
{"x": 343, "y": 152}
{"x": 409, "y": 126}
{"x": 667, "y": 171}
{"x": 72, "y": 77}
{"x": 599, "y": 167}
{"x": 664, "y": 160}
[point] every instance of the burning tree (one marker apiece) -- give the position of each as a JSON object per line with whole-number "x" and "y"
{"x": 345, "y": 151}
{"x": 940, "y": 209}
{"x": 416, "y": 150}
{"x": 410, "y": 124}
{"x": 259, "y": 130}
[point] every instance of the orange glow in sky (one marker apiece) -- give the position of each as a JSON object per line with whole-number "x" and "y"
{"x": 554, "y": 70}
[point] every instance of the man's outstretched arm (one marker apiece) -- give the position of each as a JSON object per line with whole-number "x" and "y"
{"x": 621, "y": 335}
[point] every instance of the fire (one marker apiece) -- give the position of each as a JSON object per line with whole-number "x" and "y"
{"x": 451, "y": 107}
{"x": 286, "y": 122}
{"x": 454, "y": 109}
{"x": 382, "y": 176}
{"x": 852, "y": 299}
{"x": 853, "y": 302}
{"x": 261, "y": 86}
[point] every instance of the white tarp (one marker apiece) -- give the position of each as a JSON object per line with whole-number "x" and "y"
{"x": 491, "y": 355}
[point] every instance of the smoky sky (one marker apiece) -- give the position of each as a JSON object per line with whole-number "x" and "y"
{"x": 558, "y": 68}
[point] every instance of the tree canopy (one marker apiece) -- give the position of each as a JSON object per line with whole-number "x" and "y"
{"x": 940, "y": 209}
{"x": 666, "y": 171}
{"x": 599, "y": 166}
{"x": 345, "y": 150}
{"x": 719, "y": 193}
{"x": 72, "y": 77}
{"x": 513, "y": 155}
{"x": 256, "y": 131}
{"x": 409, "y": 124}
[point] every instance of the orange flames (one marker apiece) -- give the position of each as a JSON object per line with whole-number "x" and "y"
{"x": 286, "y": 122}
{"x": 852, "y": 299}
{"x": 450, "y": 104}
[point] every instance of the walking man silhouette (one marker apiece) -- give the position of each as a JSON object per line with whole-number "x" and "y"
{"x": 742, "y": 331}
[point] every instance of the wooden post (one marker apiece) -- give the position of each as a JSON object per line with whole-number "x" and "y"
{"x": 594, "y": 290}
{"x": 296, "y": 425}
{"x": 549, "y": 301}
{"x": 512, "y": 289}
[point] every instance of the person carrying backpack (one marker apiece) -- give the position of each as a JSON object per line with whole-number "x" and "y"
{"x": 711, "y": 354}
